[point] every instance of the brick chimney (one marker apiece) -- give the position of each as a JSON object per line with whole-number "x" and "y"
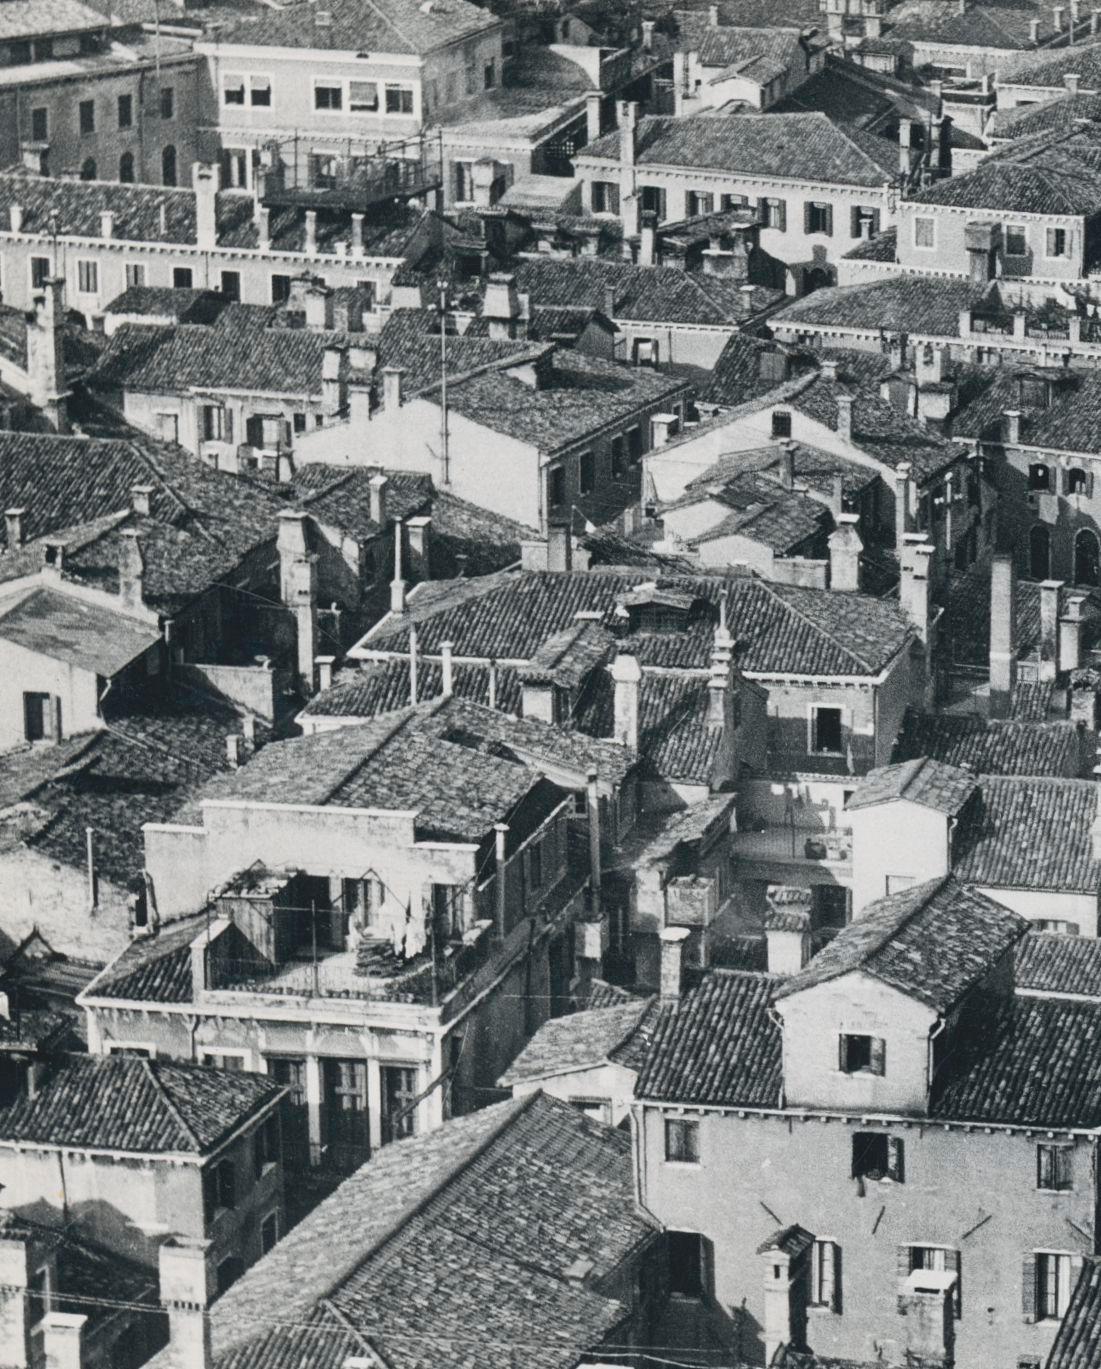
{"x": 1003, "y": 633}
{"x": 673, "y": 961}
{"x": 131, "y": 569}
{"x": 204, "y": 179}
{"x": 627, "y": 681}
{"x": 1049, "y": 628}
{"x": 45, "y": 353}
{"x": 845, "y": 546}
{"x": 187, "y": 1290}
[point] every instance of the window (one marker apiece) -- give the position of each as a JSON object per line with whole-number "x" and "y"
{"x": 605, "y": 195}
{"x": 363, "y": 97}
{"x": 299, "y": 420}
{"x": 216, "y": 423}
{"x": 586, "y": 472}
{"x": 181, "y": 277}
{"x": 1087, "y": 557}
{"x": 489, "y": 73}
{"x": 731, "y": 202}
{"x": 126, "y": 168}
{"x": 168, "y": 165}
{"x": 233, "y": 90}
{"x": 126, "y": 111}
{"x": 535, "y": 864}
{"x": 87, "y": 116}
{"x": 1055, "y": 924}
{"x": 618, "y": 455}
{"x": 862, "y": 1054}
{"x": 1077, "y": 481}
{"x": 1016, "y": 240}
{"x": 1039, "y": 476}
{"x": 130, "y": 1049}
{"x": 940, "y": 1258}
{"x": 88, "y": 169}
{"x": 682, "y": 1141}
{"x": 634, "y": 445}
{"x": 865, "y": 222}
{"x": 223, "y": 1060}
{"x": 280, "y": 289}
{"x": 877, "y": 1156}
{"x": 773, "y": 214}
{"x": 231, "y": 284}
{"x": 818, "y": 217}
{"x": 690, "y": 1263}
{"x": 825, "y": 1271}
{"x": 265, "y": 1145}
{"x": 40, "y": 272}
{"x": 399, "y": 1093}
{"x": 328, "y": 95}
{"x": 135, "y": 273}
{"x": 781, "y": 424}
{"x": 471, "y": 76}
{"x": 229, "y": 1271}
{"x": 1053, "y": 1168}
{"x": 1051, "y": 1285}
{"x": 826, "y": 730}
{"x": 259, "y": 92}
{"x": 653, "y": 201}
{"x": 925, "y": 233}
{"x": 168, "y": 103}
{"x": 219, "y": 1188}
{"x": 87, "y": 277}
{"x": 269, "y": 1231}
{"x": 38, "y": 1296}
{"x": 1039, "y": 552}
{"x": 1058, "y": 242}
{"x": 557, "y": 486}
{"x": 699, "y": 202}
{"x": 40, "y": 125}
{"x": 599, "y": 1109}
{"x": 399, "y": 99}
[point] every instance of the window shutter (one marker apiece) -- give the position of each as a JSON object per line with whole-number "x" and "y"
{"x": 1089, "y": 485}
{"x": 707, "y": 1267}
{"x": 762, "y": 212}
{"x": 210, "y": 1194}
{"x": 781, "y": 215}
{"x": 854, "y": 218}
{"x": 835, "y": 1299}
{"x": 841, "y": 1060}
{"x": 952, "y": 1266}
{"x": 879, "y": 1055}
{"x": 895, "y": 1166}
{"x": 829, "y": 219}
{"x": 1028, "y": 1288}
{"x": 904, "y": 1266}
{"x": 875, "y": 223}
{"x": 808, "y": 211}
{"x": 826, "y": 1282}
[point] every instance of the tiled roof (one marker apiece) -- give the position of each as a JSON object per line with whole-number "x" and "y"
{"x": 736, "y": 376}
{"x": 566, "y": 658}
{"x": 1078, "y": 1341}
{"x": 161, "y": 300}
{"x": 1057, "y": 115}
{"x": 801, "y": 147}
{"x": 340, "y": 496}
{"x": 1032, "y": 833}
{"x": 84, "y": 636}
{"x": 1030, "y": 702}
{"x": 1054, "y": 185}
{"x": 353, "y": 25}
{"x": 933, "y": 942}
{"x": 37, "y": 18}
{"x": 1053, "y": 963}
{"x": 988, "y": 747}
{"x": 814, "y": 468}
{"x": 469, "y": 1227}
{"x": 762, "y": 511}
{"x": 382, "y": 686}
{"x": 410, "y": 339}
{"x": 117, "y": 1102}
{"x": 642, "y": 294}
{"x": 914, "y": 304}
{"x": 790, "y": 1240}
{"x": 729, "y": 46}
{"x": 1024, "y": 1061}
{"x": 967, "y": 616}
{"x": 781, "y": 629}
{"x": 931, "y": 783}
{"x": 718, "y": 1044}
{"x": 1083, "y": 60}
{"x": 154, "y": 969}
{"x": 981, "y": 26}
{"x": 851, "y": 94}
{"x": 580, "y": 1040}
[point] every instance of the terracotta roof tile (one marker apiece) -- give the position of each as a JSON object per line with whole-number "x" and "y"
{"x": 1053, "y": 963}
{"x": 931, "y": 783}
{"x": 1078, "y": 1341}
{"x": 580, "y": 1040}
{"x": 1032, "y": 833}
{"x": 991, "y": 747}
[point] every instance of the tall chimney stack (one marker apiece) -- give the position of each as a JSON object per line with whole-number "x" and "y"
{"x": 1003, "y": 633}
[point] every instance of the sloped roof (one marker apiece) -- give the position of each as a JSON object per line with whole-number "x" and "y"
{"x": 1055, "y": 115}
{"x": 1078, "y": 1341}
{"x": 1032, "y": 833}
{"x": 1083, "y": 60}
{"x": 933, "y": 942}
{"x": 1053, "y": 963}
{"x": 801, "y": 147}
{"x": 580, "y": 1040}
{"x": 382, "y": 686}
{"x": 930, "y": 783}
{"x": 999, "y": 183}
{"x": 117, "y": 1102}
{"x": 991, "y": 747}
{"x": 37, "y": 18}
{"x": 85, "y": 636}
{"x": 397, "y": 26}
{"x": 914, "y": 304}
{"x": 153, "y": 969}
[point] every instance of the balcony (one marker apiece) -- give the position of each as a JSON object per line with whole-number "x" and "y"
{"x": 813, "y": 849}
{"x": 352, "y": 179}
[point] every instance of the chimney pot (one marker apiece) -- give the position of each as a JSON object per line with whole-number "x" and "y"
{"x": 324, "y": 671}
{"x": 627, "y": 679}
{"x": 673, "y": 962}
{"x": 141, "y": 499}
{"x": 13, "y": 522}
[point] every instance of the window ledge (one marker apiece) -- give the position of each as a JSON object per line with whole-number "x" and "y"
{"x": 681, "y": 1164}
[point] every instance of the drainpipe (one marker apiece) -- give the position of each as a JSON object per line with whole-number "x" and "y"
{"x": 500, "y": 830}
{"x": 594, "y": 839}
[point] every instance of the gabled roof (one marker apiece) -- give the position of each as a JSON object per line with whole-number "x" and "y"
{"x": 154, "y": 969}
{"x": 910, "y": 304}
{"x": 1053, "y": 185}
{"x": 89, "y": 637}
{"x": 1082, "y": 60}
{"x": 383, "y": 26}
{"x": 1057, "y": 115}
{"x": 382, "y": 686}
{"x": 38, "y": 18}
{"x": 987, "y": 746}
{"x": 116, "y": 1102}
{"x": 578, "y": 1041}
{"x": 933, "y": 942}
{"x": 1032, "y": 833}
{"x": 1078, "y": 1341}
{"x": 799, "y": 147}
{"x": 930, "y": 783}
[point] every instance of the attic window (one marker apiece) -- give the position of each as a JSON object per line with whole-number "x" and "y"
{"x": 781, "y": 423}
{"x": 1039, "y": 476}
{"x": 877, "y": 1156}
{"x": 862, "y": 1054}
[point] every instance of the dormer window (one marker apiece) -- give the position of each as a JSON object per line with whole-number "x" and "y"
{"x": 862, "y": 1054}
{"x": 877, "y": 1156}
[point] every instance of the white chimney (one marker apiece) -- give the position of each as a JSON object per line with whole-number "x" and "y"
{"x": 787, "y": 928}
{"x": 204, "y": 179}
{"x": 627, "y": 680}
{"x": 446, "y": 672}
{"x": 14, "y": 526}
{"x": 672, "y": 962}
{"x": 187, "y": 1289}
{"x": 845, "y": 546}
{"x": 63, "y": 1340}
{"x": 131, "y": 569}
{"x": 845, "y": 416}
{"x": 324, "y": 671}
{"x": 391, "y": 387}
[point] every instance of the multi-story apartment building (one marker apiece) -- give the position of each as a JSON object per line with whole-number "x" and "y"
{"x": 885, "y": 1156}
{"x": 81, "y": 96}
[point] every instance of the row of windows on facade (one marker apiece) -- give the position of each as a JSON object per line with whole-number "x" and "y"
{"x": 1015, "y": 238}
{"x": 334, "y": 95}
{"x": 89, "y": 168}
{"x": 877, "y": 1155}
{"x": 1086, "y": 569}
{"x": 1067, "y": 480}
{"x": 818, "y": 217}
{"x": 626, "y": 449}
{"x": 87, "y": 117}
{"x": 20, "y": 51}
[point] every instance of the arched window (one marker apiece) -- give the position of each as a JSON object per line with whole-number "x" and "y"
{"x": 88, "y": 169}
{"x": 1039, "y": 477}
{"x": 126, "y": 168}
{"x": 1087, "y": 558}
{"x": 1077, "y": 481}
{"x": 168, "y": 165}
{"x": 1039, "y": 552}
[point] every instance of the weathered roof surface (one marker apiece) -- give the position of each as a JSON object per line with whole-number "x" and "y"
{"x": 813, "y": 468}
{"x": 1078, "y": 1341}
{"x": 1057, "y": 182}
{"x": 1025, "y": 1061}
{"x": 791, "y": 1240}
{"x": 577, "y": 1041}
{"x": 991, "y": 747}
{"x": 437, "y": 1238}
{"x": 33, "y": 18}
{"x": 801, "y": 147}
{"x": 931, "y": 783}
{"x": 966, "y": 621}
{"x": 913, "y": 304}
{"x": 1056, "y": 115}
{"x": 780, "y": 629}
{"x": 168, "y": 301}
{"x": 996, "y": 26}
{"x": 751, "y": 505}
{"x": 382, "y": 686}
{"x": 1083, "y": 60}
{"x": 933, "y": 942}
{"x": 674, "y": 738}
{"x": 1053, "y": 963}
{"x": 153, "y": 969}
{"x": 718, "y": 1044}
{"x": 355, "y": 25}
{"x": 410, "y": 338}
{"x": 117, "y": 1102}
{"x": 84, "y": 636}
{"x": 1032, "y": 833}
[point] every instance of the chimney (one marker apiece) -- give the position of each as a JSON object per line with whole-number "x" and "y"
{"x": 902, "y": 504}
{"x": 13, "y": 523}
{"x": 915, "y": 581}
{"x": 905, "y": 155}
{"x": 785, "y": 1314}
{"x": 491, "y": 684}
{"x": 1020, "y": 324}
{"x": 187, "y": 1289}
{"x": 594, "y": 115}
{"x": 63, "y": 1340}
{"x": 15, "y": 218}
{"x": 787, "y": 464}
{"x": 357, "y": 235}
{"x": 559, "y": 548}
{"x": 1070, "y": 634}
{"x": 1003, "y": 633}
{"x": 627, "y": 679}
{"x": 717, "y": 685}
{"x": 324, "y": 666}
{"x": 391, "y": 387}
{"x": 310, "y": 243}
{"x": 447, "y": 674}
{"x": 845, "y": 416}
{"x": 106, "y": 224}
{"x": 1049, "y": 628}
{"x": 501, "y": 306}
{"x": 662, "y": 428}
{"x": 1095, "y": 20}
{"x": 1070, "y": 80}
{"x": 263, "y": 228}
{"x": 397, "y": 584}
{"x": 141, "y": 500}
{"x": 647, "y": 35}
{"x": 483, "y": 182}
{"x": 1034, "y": 31}
{"x": 319, "y": 307}
{"x": 713, "y": 16}
{"x": 45, "y": 353}
{"x": 291, "y": 544}
{"x": 204, "y": 179}
{"x": 419, "y": 535}
{"x": 1057, "y": 12}
{"x": 304, "y": 604}
{"x": 1095, "y": 836}
{"x": 131, "y": 569}
{"x": 673, "y": 962}
{"x": 1012, "y": 426}
{"x": 648, "y": 239}
{"x": 500, "y": 830}
{"x": 233, "y": 750}
{"x": 15, "y": 1279}
{"x": 378, "y": 484}
{"x": 845, "y": 548}
{"x": 628, "y": 133}
{"x": 787, "y": 928}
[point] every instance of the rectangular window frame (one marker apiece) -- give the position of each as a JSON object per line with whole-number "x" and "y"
{"x": 135, "y": 274}
{"x": 87, "y": 276}
{"x": 86, "y": 116}
{"x": 362, "y": 104}
{"x": 825, "y": 1274}
{"x": 40, "y": 124}
{"x": 682, "y": 1141}
{"x": 1016, "y": 230}
{"x": 260, "y": 91}
{"x": 234, "y": 88}
{"x": 1056, "y": 243}
{"x": 814, "y": 712}
{"x": 1054, "y": 1281}
{"x": 332, "y": 89}
{"x": 852, "y": 1054}
{"x": 126, "y": 110}
{"x": 400, "y": 89}
{"x": 168, "y": 102}
{"x": 921, "y": 222}
{"x": 1054, "y": 1167}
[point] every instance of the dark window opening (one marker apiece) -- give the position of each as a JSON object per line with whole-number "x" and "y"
{"x": 875, "y": 1155}
{"x": 827, "y": 734}
{"x": 781, "y": 424}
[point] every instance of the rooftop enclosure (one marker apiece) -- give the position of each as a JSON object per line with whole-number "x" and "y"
{"x": 350, "y": 175}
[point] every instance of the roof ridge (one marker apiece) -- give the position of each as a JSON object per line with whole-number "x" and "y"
{"x": 170, "y": 1103}
{"x": 773, "y": 589}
